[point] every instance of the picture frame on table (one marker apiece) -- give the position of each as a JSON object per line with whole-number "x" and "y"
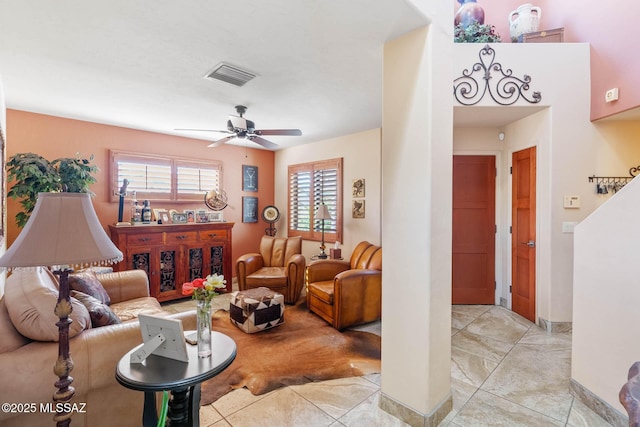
{"x": 163, "y": 216}
{"x": 173, "y": 345}
{"x": 216, "y": 217}
{"x": 179, "y": 218}
{"x": 202, "y": 217}
{"x": 249, "y": 178}
{"x": 191, "y": 215}
{"x": 249, "y": 209}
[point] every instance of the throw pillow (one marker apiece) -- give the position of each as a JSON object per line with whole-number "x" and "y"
{"x": 101, "y": 314}
{"x": 31, "y": 295}
{"x": 87, "y": 283}
{"x": 10, "y": 338}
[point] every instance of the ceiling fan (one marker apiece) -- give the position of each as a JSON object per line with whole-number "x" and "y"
{"x": 239, "y": 127}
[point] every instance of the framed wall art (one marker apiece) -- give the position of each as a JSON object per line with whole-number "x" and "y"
{"x": 249, "y": 209}
{"x": 357, "y": 209}
{"x": 357, "y": 188}
{"x": 249, "y": 178}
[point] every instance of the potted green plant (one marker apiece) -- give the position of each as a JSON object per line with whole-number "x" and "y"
{"x": 32, "y": 174}
{"x": 476, "y": 33}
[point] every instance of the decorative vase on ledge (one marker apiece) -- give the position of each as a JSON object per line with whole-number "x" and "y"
{"x": 469, "y": 12}
{"x": 203, "y": 313}
{"x": 524, "y": 20}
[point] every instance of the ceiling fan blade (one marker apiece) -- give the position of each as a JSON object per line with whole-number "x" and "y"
{"x": 207, "y": 130}
{"x": 265, "y": 143}
{"x": 284, "y": 132}
{"x": 221, "y": 141}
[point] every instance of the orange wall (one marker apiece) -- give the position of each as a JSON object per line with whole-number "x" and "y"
{"x": 54, "y": 137}
{"x": 608, "y": 26}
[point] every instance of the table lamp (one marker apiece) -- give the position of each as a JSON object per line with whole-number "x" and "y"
{"x": 62, "y": 232}
{"x": 322, "y": 214}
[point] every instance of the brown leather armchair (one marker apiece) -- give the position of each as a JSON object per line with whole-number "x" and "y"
{"x": 347, "y": 293}
{"x": 279, "y": 266}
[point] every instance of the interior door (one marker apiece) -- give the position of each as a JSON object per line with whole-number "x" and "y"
{"x": 523, "y": 237}
{"x": 474, "y": 227}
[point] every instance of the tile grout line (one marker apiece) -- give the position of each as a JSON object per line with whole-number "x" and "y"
{"x": 492, "y": 371}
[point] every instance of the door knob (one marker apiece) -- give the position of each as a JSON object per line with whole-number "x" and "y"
{"x": 530, "y": 243}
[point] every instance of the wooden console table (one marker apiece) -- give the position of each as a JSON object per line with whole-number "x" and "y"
{"x": 173, "y": 254}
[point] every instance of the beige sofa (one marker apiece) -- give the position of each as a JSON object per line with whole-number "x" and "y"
{"x": 26, "y": 365}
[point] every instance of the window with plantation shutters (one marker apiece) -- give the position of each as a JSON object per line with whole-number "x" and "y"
{"x": 196, "y": 179}
{"x": 311, "y": 184}
{"x": 163, "y": 178}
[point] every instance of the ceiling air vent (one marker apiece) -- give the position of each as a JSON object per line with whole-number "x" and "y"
{"x": 230, "y": 74}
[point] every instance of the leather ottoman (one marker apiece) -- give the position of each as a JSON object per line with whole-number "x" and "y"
{"x": 255, "y": 310}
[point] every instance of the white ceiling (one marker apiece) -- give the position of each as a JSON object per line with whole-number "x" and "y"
{"x": 497, "y": 117}
{"x": 140, "y": 64}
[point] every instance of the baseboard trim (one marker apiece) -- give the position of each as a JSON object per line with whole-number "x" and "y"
{"x": 413, "y": 417}
{"x": 597, "y": 405}
{"x": 503, "y": 302}
{"x": 555, "y": 327}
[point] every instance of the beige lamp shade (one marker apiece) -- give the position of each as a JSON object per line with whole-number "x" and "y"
{"x": 63, "y": 230}
{"x": 323, "y": 212}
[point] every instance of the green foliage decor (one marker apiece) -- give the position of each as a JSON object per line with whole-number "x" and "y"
{"x": 32, "y": 174}
{"x": 476, "y": 33}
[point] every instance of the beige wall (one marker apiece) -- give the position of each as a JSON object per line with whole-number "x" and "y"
{"x": 618, "y": 149}
{"x": 361, "y": 159}
{"x": 416, "y": 175}
{"x": 607, "y": 296}
{"x": 565, "y": 141}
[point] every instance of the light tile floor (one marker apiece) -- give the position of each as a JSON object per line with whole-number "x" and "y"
{"x": 505, "y": 371}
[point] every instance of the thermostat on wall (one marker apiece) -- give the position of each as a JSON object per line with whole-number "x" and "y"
{"x": 571, "y": 202}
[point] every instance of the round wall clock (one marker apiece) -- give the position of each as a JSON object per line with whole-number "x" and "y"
{"x": 270, "y": 214}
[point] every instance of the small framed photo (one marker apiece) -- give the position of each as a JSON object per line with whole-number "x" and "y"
{"x": 358, "y": 188}
{"x": 357, "y": 208}
{"x": 191, "y": 215}
{"x": 249, "y": 178}
{"x": 163, "y": 216}
{"x": 215, "y": 216}
{"x": 249, "y": 209}
{"x": 202, "y": 217}
{"x": 173, "y": 345}
{"x": 179, "y": 218}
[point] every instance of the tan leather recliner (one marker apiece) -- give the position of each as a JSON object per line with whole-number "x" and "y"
{"x": 347, "y": 293}
{"x": 279, "y": 266}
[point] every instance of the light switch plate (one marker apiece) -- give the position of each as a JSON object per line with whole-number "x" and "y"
{"x": 571, "y": 202}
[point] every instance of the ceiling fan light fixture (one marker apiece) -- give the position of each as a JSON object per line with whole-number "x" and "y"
{"x": 230, "y": 74}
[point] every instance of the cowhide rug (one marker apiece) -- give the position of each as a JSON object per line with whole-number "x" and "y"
{"x": 303, "y": 349}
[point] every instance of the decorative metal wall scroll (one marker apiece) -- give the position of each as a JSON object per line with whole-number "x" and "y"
{"x": 612, "y": 184}
{"x": 503, "y": 87}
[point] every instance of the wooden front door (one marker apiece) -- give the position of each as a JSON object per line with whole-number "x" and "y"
{"x": 474, "y": 226}
{"x": 523, "y": 238}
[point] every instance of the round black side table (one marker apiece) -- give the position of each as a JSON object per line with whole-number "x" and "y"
{"x": 183, "y": 379}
